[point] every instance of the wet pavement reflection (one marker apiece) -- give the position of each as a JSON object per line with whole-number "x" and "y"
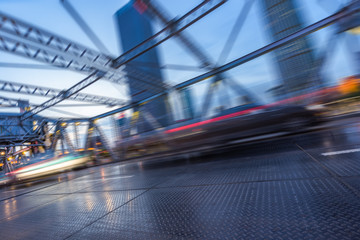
{"x": 303, "y": 186}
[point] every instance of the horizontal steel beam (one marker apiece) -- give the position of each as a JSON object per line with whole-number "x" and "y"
{"x": 16, "y": 103}
{"x": 345, "y": 12}
{"x": 9, "y": 101}
{"x": 14, "y": 87}
{"x": 95, "y": 76}
{"x": 21, "y": 144}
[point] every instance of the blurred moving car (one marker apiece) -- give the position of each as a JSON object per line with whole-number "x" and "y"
{"x": 45, "y": 166}
{"x": 4, "y": 179}
{"x": 231, "y": 124}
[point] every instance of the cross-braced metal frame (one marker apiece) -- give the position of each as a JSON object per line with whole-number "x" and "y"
{"x": 23, "y": 39}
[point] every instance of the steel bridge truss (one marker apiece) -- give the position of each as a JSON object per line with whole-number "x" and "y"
{"x": 21, "y": 88}
{"x": 20, "y": 38}
{"x": 343, "y": 13}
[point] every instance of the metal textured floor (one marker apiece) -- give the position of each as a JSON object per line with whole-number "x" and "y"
{"x": 305, "y": 186}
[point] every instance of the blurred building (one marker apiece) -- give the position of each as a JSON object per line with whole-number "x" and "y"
{"x": 298, "y": 71}
{"x": 13, "y": 130}
{"x": 134, "y": 27}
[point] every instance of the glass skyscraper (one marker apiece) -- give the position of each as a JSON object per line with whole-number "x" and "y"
{"x": 298, "y": 71}
{"x": 134, "y": 27}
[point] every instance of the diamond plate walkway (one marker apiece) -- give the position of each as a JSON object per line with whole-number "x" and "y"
{"x": 300, "y": 187}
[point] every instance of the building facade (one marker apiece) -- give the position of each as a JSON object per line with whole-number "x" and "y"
{"x": 298, "y": 71}
{"x": 134, "y": 26}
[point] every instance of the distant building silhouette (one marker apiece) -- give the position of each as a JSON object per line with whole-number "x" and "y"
{"x": 134, "y": 27}
{"x": 296, "y": 63}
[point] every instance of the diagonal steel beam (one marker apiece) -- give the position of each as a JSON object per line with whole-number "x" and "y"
{"x": 9, "y": 101}
{"x": 95, "y": 76}
{"x": 84, "y": 26}
{"x": 171, "y": 29}
{"x": 20, "y": 38}
{"x": 159, "y": 13}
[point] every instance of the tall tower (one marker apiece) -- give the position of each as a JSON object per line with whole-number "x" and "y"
{"x": 134, "y": 27}
{"x": 297, "y": 69}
